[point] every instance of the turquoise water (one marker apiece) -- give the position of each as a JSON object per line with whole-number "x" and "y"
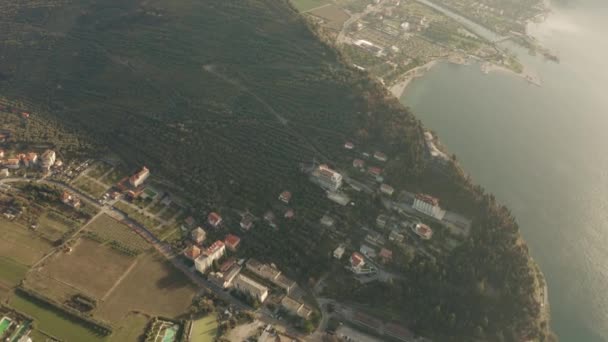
{"x": 541, "y": 150}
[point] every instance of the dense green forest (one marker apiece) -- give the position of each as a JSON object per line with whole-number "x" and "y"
{"x": 225, "y": 98}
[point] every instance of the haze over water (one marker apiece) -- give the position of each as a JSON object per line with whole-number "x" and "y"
{"x": 542, "y": 151}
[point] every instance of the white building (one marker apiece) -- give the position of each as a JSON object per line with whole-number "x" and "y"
{"x": 387, "y": 189}
{"x": 339, "y": 252}
{"x": 47, "y": 159}
{"x": 251, "y": 287}
{"x": 209, "y": 255}
{"x": 327, "y": 178}
{"x": 4, "y": 173}
{"x": 140, "y": 177}
{"x": 428, "y": 205}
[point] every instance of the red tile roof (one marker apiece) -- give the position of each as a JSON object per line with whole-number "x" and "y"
{"x": 192, "y": 252}
{"x": 356, "y": 259}
{"x": 232, "y": 241}
{"x": 374, "y": 170}
{"x": 428, "y": 199}
{"x": 386, "y": 254}
{"x": 285, "y": 196}
{"x": 213, "y": 248}
{"x": 214, "y": 218}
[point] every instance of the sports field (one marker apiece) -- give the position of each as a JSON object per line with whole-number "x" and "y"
{"x": 204, "y": 329}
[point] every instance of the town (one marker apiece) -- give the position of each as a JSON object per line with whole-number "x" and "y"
{"x": 80, "y": 210}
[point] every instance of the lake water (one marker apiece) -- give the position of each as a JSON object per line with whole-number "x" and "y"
{"x": 542, "y": 151}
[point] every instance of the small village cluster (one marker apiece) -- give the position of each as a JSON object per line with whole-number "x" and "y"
{"x": 31, "y": 160}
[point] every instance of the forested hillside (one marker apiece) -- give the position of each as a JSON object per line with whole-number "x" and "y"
{"x": 225, "y": 98}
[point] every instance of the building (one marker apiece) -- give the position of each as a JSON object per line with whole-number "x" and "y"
{"x": 47, "y": 159}
{"x": 70, "y": 199}
{"x": 381, "y": 220}
{"x": 358, "y": 163}
{"x": 327, "y": 221}
{"x": 246, "y": 222}
{"x": 428, "y": 205}
{"x": 374, "y": 171}
{"x": 224, "y": 278}
{"x": 339, "y": 252}
{"x": 214, "y": 219}
{"x": 396, "y": 236}
{"x": 4, "y": 173}
{"x": 386, "y": 255}
{"x": 295, "y": 307}
{"x": 349, "y": 145}
{"x": 338, "y": 197}
{"x": 327, "y": 178}
{"x": 357, "y": 262}
{"x": 289, "y": 214}
{"x": 198, "y": 235}
{"x": 386, "y": 189}
{"x": 368, "y": 251}
{"x": 12, "y": 163}
{"x": 423, "y": 231}
{"x": 285, "y": 197}
{"x": 271, "y": 273}
{"x": 251, "y": 287}
{"x": 139, "y": 177}
{"x": 380, "y": 156}
{"x": 209, "y": 255}
{"x": 192, "y": 252}
{"x": 1, "y": 153}
{"x": 30, "y": 159}
{"x": 232, "y": 242}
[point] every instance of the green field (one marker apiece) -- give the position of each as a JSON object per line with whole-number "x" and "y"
{"x": 98, "y": 170}
{"x": 53, "y": 225}
{"x": 132, "y": 327}
{"x": 11, "y": 272}
{"x": 204, "y": 329}
{"x": 110, "y": 229}
{"x": 53, "y": 321}
{"x": 90, "y": 186}
{"x": 306, "y": 5}
{"x": 147, "y": 222}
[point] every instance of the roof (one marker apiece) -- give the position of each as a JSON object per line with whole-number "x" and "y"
{"x": 428, "y": 199}
{"x": 232, "y": 240}
{"x": 285, "y": 196}
{"x": 349, "y": 145}
{"x": 214, "y": 218}
{"x": 225, "y": 266}
{"x": 198, "y": 232}
{"x": 356, "y": 259}
{"x": 358, "y": 162}
{"x": 217, "y": 245}
{"x": 192, "y": 252}
{"x": 374, "y": 170}
{"x": 423, "y": 230}
{"x": 289, "y": 213}
{"x": 386, "y": 253}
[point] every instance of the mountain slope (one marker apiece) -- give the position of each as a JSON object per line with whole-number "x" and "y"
{"x": 226, "y": 98}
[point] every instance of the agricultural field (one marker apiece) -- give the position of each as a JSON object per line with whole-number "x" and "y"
{"x": 98, "y": 170}
{"x": 52, "y": 321}
{"x": 333, "y": 15}
{"x": 53, "y": 225}
{"x": 132, "y": 327}
{"x": 21, "y": 244}
{"x": 153, "y": 277}
{"x": 110, "y": 229}
{"x": 134, "y": 214}
{"x": 90, "y": 186}
{"x": 204, "y": 329}
{"x": 11, "y": 272}
{"x": 90, "y": 268}
{"x": 307, "y": 5}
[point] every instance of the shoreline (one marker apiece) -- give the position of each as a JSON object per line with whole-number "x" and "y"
{"x": 398, "y": 88}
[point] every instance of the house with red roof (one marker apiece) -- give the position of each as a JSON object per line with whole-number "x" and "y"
{"x": 289, "y": 214}
{"x": 192, "y": 252}
{"x": 214, "y": 219}
{"x": 232, "y": 242}
{"x": 357, "y": 261}
{"x": 358, "y": 163}
{"x": 374, "y": 171}
{"x": 386, "y": 255}
{"x": 285, "y": 197}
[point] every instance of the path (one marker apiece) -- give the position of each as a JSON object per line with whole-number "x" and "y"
{"x": 117, "y": 282}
